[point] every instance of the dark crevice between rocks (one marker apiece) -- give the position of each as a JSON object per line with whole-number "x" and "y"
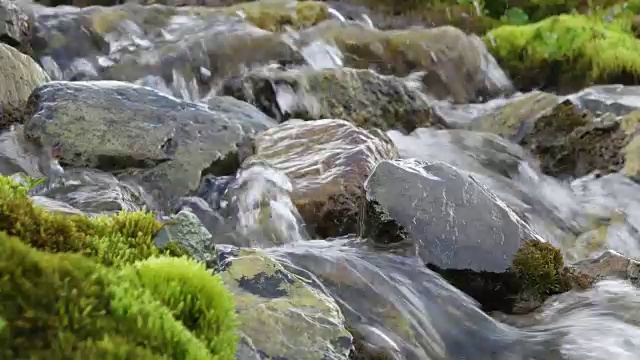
{"x": 363, "y": 351}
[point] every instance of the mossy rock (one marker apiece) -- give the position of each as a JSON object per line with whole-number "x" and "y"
{"x": 277, "y": 15}
{"x": 389, "y": 14}
{"x": 67, "y": 306}
{"x": 567, "y": 52}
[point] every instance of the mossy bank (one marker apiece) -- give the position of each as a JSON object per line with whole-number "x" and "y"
{"x": 73, "y": 287}
{"x": 568, "y": 52}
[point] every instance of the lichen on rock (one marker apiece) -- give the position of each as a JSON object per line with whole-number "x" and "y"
{"x": 270, "y": 299}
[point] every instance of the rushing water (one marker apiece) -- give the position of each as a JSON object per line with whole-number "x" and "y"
{"x": 393, "y": 302}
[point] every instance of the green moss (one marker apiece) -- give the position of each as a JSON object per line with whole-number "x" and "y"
{"x": 567, "y": 52}
{"x": 74, "y": 287}
{"x": 210, "y": 315}
{"x": 67, "y": 306}
{"x": 119, "y": 239}
{"x": 539, "y": 269}
{"x": 276, "y": 15}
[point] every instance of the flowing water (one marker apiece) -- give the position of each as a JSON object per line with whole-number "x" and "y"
{"x": 393, "y": 302}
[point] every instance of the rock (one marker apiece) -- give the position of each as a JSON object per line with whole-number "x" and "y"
{"x": 609, "y": 264}
{"x": 181, "y": 51}
{"x": 328, "y": 162}
{"x": 463, "y": 231}
{"x": 456, "y": 66}
{"x": 282, "y": 315}
{"x": 16, "y": 156}
{"x": 19, "y": 75}
{"x": 613, "y": 99}
{"x": 567, "y": 141}
{"x": 15, "y": 25}
{"x": 55, "y": 205}
{"x": 186, "y": 230}
{"x": 361, "y": 97}
{"x": 165, "y": 143}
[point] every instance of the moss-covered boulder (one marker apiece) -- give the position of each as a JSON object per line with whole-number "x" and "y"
{"x": 567, "y": 52}
{"x": 277, "y": 15}
{"x": 328, "y": 162}
{"x": 282, "y": 315}
{"x": 19, "y": 76}
{"x": 456, "y": 66}
{"x": 462, "y": 230}
{"x": 362, "y": 97}
{"x": 118, "y": 127}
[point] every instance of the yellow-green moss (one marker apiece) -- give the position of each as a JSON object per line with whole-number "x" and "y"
{"x": 67, "y": 306}
{"x": 567, "y": 51}
{"x": 539, "y": 268}
{"x": 276, "y": 15}
{"x": 118, "y": 239}
{"x": 72, "y": 287}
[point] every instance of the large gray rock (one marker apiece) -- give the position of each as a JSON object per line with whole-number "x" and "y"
{"x": 462, "y": 230}
{"x": 186, "y": 230}
{"x": 165, "y": 143}
{"x": 281, "y": 315}
{"x": 19, "y": 76}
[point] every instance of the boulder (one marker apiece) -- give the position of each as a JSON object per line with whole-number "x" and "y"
{"x": 456, "y": 66}
{"x": 328, "y": 162}
{"x": 609, "y": 264}
{"x": 282, "y": 315}
{"x": 137, "y": 132}
{"x": 362, "y": 97}
{"x": 462, "y": 230}
{"x": 19, "y": 76}
{"x": 55, "y": 206}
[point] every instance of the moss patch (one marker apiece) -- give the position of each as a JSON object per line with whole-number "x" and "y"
{"x": 539, "y": 268}
{"x": 567, "y": 52}
{"x": 73, "y": 287}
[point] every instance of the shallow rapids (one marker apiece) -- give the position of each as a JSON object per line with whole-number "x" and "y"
{"x": 393, "y": 304}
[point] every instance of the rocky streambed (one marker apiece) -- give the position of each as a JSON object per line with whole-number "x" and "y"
{"x": 365, "y": 188}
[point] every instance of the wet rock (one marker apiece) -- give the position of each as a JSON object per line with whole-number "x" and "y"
{"x": 16, "y": 156}
{"x": 55, "y": 206}
{"x": 613, "y": 99}
{"x": 609, "y": 264}
{"x": 15, "y": 25}
{"x": 398, "y": 309}
{"x": 361, "y": 97}
{"x": 328, "y": 162}
{"x": 456, "y": 66}
{"x": 184, "y": 52}
{"x": 165, "y": 143}
{"x": 186, "y": 230}
{"x": 282, "y": 315}
{"x": 462, "y": 230}
{"x": 19, "y": 75}
{"x": 96, "y": 192}
{"x": 566, "y": 140}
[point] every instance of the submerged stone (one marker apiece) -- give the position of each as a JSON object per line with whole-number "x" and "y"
{"x": 328, "y": 162}
{"x": 362, "y": 97}
{"x": 282, "y": 315}
{"x": 462, "y": 230}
